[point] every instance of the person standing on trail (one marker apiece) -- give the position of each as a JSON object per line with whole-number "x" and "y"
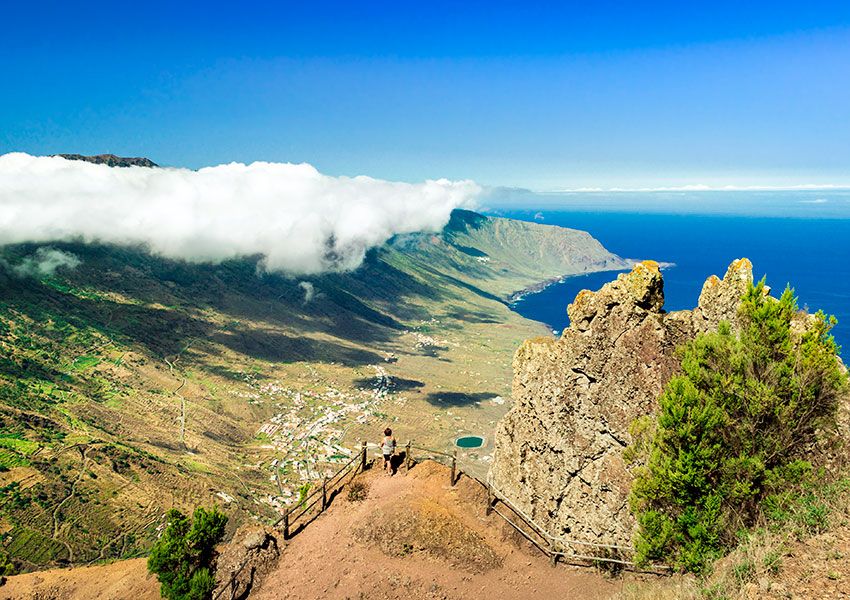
{"x": 388, "y": 449}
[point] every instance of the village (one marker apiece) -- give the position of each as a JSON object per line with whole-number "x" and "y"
{"x": 306, "y": 435}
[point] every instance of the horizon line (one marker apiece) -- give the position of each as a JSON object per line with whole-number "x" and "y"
{"x": 704, "y": 188}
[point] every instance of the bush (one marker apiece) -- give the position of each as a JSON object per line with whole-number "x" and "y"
{"x": 732, "y": 430}
{"x": 182, "y": 558}
{"x": 7, "y": 567}
{"x": 357, "y": 491}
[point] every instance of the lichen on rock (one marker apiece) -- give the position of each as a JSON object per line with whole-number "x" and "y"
{"x": 559, "y": 451}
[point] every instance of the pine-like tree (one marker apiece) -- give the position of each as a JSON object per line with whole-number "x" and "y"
{"x": 182, "y": 558}
{"x": 732, "y": 429}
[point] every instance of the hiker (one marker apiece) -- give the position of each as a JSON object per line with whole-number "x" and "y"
{"x": 388, "y": 449}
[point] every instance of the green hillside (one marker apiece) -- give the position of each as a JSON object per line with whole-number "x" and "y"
{"x": 130, "y": 384}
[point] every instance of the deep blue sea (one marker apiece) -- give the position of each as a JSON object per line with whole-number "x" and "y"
{"x": 810, "y": 254}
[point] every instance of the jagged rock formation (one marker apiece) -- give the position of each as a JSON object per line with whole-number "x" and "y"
{"x": 111, "y": 160}
{"x": 558, "y": 452}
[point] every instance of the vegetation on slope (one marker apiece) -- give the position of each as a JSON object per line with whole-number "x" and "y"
{"x": 733, "y": 434}
{"x": 99, "y": 358}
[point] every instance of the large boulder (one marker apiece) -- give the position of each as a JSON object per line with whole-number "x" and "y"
{"x": 558, "y": 452}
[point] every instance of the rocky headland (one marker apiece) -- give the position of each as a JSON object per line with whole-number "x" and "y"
{"x": 559, "y": 451}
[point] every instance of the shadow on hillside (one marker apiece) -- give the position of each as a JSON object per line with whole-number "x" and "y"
{"x": 233, "y": 288}
{"x": 277, "y": 347}
{"x": 433, "y": 351}
{"x": 474, "y": 252}
{"x": 458, "y": 398}
{"x": 165, "y": 332}
{"x": 226, "y": 373}
{"x": 470, "y": 316}
{"x": 468, "y": 286}
{"x": 162, "y": 331}
{"x": 163, "y": 304}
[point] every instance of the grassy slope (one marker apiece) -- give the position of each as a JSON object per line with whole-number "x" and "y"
{"x": 95, "y": 362}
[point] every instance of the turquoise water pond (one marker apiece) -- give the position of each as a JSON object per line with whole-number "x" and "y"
{"x": 469, "y": 441}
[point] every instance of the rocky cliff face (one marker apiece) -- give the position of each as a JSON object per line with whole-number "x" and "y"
{"x": 558, "y": 452}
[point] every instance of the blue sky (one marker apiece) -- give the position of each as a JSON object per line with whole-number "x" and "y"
{"x": 547, "y": 96}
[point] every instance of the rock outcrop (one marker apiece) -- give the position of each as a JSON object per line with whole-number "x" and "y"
{"x": 246, "y": 560}
{"x": 558, "y": 452}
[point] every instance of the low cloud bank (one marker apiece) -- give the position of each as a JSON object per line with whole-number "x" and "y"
{"x": 301, "y": 221}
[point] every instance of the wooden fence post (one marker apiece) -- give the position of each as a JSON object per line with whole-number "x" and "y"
{"x": 454, "y": 467}
{"x": 407, "y": 455}
{"x": 286, "y": 525}
{"x": 363, "y": 457}
{"x": 489, "y": 499}
{"x": 324, "y": 492}
{"x": 553, "y": 556}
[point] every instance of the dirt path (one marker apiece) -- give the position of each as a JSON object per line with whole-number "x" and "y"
{"x": 57, "y": 511}
{"x": 331, "y": 559}
{"x": 414, "y": 538}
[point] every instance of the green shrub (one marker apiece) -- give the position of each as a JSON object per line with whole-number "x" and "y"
{"x": 731, "y": 431}
{"x": 7, "y": 567}
{"x": 182, "y": 558}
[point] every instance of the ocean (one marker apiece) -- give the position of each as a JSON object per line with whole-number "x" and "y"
{"x": 811, "y": 254}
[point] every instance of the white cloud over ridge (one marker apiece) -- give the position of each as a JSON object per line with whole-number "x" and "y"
{"x": 44, "y": 262}
{"x": 301, "y": 221}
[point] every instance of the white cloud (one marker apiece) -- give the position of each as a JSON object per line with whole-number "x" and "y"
{"x": 309, "y": 290}
{"x": 44, "y": 262}
{"x": 301, "y": 221}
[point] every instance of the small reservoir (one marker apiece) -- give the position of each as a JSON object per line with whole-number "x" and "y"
{"x": 469, "y": 441}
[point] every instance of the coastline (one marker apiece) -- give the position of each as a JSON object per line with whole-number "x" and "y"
{"x": 517, "y": 297}
{"x": 627, "y": 264}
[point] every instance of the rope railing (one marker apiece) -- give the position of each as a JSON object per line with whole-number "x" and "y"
{"x": 555, "y": 547}
{"x": 357, "y": 463}
{"x": 549, "y": 536}
{"x": 555, "y": 544}
{"x": 231, "y": 583}
{"x": 305, "y": 504}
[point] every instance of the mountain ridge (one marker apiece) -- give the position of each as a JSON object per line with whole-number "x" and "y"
{"x": 111, "y": 160}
